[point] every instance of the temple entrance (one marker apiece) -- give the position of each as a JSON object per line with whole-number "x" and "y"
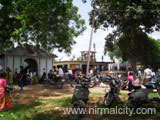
{"x": 32, "y": 64}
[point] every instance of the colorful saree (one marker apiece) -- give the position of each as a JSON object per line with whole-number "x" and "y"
{"x": 5, "y": 103}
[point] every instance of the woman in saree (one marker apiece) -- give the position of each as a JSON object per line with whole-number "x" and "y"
{"x": 5, "y": 103}
{"x": 9, "y": 77}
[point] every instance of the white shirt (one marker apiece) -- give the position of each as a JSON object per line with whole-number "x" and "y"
{"x": 139, "y": 73}
{"x": 153, "y": 73}
{"x": 91, "y": 72}
{"x": 147, "y": 73}
{"x": 70, "y": 72}
{"x": 60, "y": 72}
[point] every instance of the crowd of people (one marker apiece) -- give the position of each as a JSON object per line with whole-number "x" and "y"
{"x": 7, "y": 80}
{"x": 20, "y": 78}
{"x": 65, "y": 72}
{"x": 143, "y": 76}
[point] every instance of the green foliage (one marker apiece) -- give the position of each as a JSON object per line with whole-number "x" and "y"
{"x": 115, "y": 53}
{"x": 131, "y": 20}
{"x": 150, "y": 55}
{"x": 147, "y": 49}
{"x": 128, "y": 14}
{"x": 8, "y": 23}
{"x": 34, "y": 80}
{"x": 154, "y": 95}
{"x": 47, "y": 23}
{"x": 79, "y": 58}
{"x": 19, "y": 112}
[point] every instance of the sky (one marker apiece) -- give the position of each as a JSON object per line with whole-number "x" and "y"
{"x": 82, "y": 41}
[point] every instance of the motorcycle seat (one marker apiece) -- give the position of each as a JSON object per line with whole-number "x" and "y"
{"x": 137, "y": 87}
{"x": 149, "y": 86}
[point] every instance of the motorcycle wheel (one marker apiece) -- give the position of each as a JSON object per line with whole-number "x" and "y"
{"x": 108, "y": 99}
{"x": 73, "y": 84}
{"x": 60, "y": 85}
{"x": 80, "y": 104}
{"x": 91, "y": 85}
{"x": 46, "y": 83}
{"x": 158, "y": 91}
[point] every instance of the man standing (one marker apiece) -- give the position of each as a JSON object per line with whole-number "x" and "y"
{"x": 70, "y": 72}
{"x": 139, "y": 76}
{"x": 147, "y": 75}
{"x": 55, "y": 71}
{"x": 91, "y": 72}
{"x": 60, "y": 72}
{"x": 22, "y": 79}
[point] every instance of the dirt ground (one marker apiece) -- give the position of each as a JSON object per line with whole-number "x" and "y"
{"x": 39, "y": 92}
{"x": 34, "y": 92}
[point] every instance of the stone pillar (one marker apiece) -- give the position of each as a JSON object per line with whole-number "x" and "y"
{"x": 47, "y": 66}
{"x": 81, "y": 66}
{"x": 39, "y": 66}
{"x": 13, "y": 64}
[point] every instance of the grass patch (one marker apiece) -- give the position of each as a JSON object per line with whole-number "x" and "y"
{"x": 53, "y": 95}
{"x": 124, "y": 95}
{"x": 19, "y": 112}
{"x": 152, "y": 95}
{"x": 37, "y": 110}
{"x": 54, "y": 115}
{"x": 96, "y": 95}
{"x": 64, "y": 102}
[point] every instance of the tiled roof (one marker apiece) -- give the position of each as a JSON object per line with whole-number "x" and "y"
{"x": 29, "y": 50}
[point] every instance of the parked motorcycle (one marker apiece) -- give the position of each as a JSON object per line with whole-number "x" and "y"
{"x": 113, "y": 93}
{"x": 94, "y": 81}
{"x": 75, "y": 80}
{"x": 69, "y": 78}
{"x": 56, "y": 81}
{"x": 124, "y": 85}
{"x": 154, "y": 83}
{"x": 81, "y": 95}
{"x": 140, "y": 97}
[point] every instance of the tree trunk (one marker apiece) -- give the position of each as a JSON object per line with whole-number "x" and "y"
{"x": 133, "y": 53}
{"x": 133, "y": 63}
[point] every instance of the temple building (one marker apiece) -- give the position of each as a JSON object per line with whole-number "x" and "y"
{"x": 36, "y": 59}
{"x": 82, "y": 64}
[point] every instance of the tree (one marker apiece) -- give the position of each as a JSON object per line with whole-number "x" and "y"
{"x": 79, "y": 59}
{"x": 115, "y": 53}
{"x": 8, "y": 23}
{"x": 48, "y": 24}
{"x": 147, "y": 52}
{"x": 151, "y": 55}
{"x": 129, "y": 18}
{"x": 53, "y": 24}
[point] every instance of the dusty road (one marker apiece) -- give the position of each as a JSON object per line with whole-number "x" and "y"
{"x": 35, "y": 92}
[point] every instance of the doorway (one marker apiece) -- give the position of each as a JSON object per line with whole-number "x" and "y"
{"x": 32, "y": 64}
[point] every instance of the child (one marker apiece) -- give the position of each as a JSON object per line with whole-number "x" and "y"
{"x": 131, "y": 81}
